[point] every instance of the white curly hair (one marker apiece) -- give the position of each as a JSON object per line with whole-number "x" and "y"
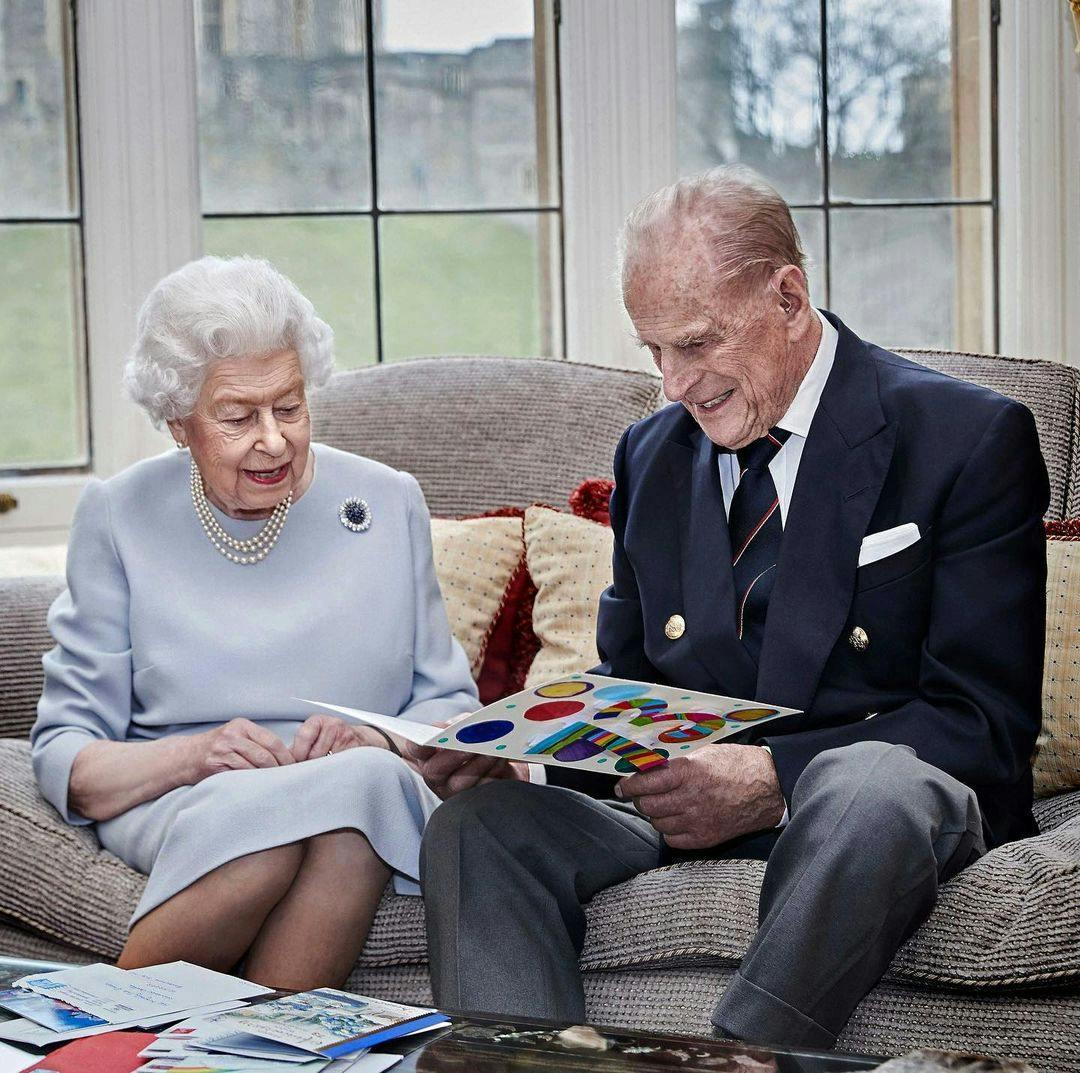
{"x": 216, "y": 308}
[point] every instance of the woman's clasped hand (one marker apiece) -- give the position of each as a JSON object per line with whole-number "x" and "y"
{"x": 242, "y": 743}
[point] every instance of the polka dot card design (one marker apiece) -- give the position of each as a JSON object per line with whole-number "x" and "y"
{"x": 589, "y": 722}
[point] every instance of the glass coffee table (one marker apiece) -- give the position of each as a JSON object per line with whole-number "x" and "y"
{"x": 475, "y": 1044}
{"x": 484, "y": 1044}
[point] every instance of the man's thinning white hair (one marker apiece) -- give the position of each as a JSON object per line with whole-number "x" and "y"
{"x": 746, "y": 224}
{"x": 217, "y": 308}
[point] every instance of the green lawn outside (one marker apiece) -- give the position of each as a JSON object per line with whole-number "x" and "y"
{"x": 41, "y": 362}
{"x": 450, "y": 284}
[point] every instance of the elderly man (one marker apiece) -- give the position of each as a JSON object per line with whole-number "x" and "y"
{"x": 815, "y": 522}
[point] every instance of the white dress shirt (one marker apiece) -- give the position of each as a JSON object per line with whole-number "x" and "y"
{"x": 785, "y": 464}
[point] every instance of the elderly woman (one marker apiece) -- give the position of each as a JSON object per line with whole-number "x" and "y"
{"x": 208, "y": 589}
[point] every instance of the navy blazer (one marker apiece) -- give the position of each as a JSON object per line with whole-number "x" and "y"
{"x": 955, "y": 622}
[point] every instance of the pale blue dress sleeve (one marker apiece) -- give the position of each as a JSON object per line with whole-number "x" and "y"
{"x": 87, "y": 691}
{"x": 442, "y": 686}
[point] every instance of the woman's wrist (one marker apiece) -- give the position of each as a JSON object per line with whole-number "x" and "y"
{"x": 191, "y": 750}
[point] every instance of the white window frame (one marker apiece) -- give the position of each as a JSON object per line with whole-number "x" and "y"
{"x": 1039, "y": 158}
{"x": 617, "y": 82}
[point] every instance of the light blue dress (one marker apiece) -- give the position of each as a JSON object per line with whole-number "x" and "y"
{"x": 158, "y": 634}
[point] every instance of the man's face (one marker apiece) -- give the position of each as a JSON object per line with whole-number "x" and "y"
{"x": 724, "y": 352}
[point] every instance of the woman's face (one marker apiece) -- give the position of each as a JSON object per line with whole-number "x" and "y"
{"x": 250, "y": 433}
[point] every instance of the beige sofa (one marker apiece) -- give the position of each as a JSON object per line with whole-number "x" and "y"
{"x": 996, "y": 968}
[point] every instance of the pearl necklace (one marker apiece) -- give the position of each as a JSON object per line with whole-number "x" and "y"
{"x": 245, "y": 552}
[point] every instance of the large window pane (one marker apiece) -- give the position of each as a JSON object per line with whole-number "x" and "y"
{"x": 479, "y": 284}
{"x": 283, "y": 117}
{"x": 464, "y": 106}
{"x": 749, "y": 90}
{"x": 811, "y": 227}
{"x": 41, "y": 359}
{"x": 908, "y": 98}
{"x": 916, "y": 276}
{"x": 328, "y": 258}
{"x": 37, "y": 169}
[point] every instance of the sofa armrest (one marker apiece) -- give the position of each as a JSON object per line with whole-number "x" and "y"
{"x": 1051, "y": 812}
{"x": 24, "y": 639}
{"x": 1010, "y": 919}
{"x": 56, "y": 880}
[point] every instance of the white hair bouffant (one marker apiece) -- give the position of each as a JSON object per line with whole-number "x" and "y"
{"x": 216, "y": 308}
{"x": 745, "y": 222}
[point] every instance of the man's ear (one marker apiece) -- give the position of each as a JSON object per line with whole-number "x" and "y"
{"x": 790, "y": 285}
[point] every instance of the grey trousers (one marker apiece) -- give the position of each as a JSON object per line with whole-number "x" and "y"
{"x": 507, "y": 868}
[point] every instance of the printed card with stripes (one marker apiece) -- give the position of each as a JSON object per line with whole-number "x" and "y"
{"x": 587, "y": 721}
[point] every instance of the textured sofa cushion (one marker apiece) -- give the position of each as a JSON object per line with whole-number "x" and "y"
{"x": 24, "y": 639}
{"x": 475, "y": 560}
{"x": 480, "y": 433}
{"x": 1049, "y": 389}
{"x": 56, "y": 880}
{"x": 570, "y": 562}
{"x": 1010, "y": 919}
{"x": 1057, "y": 756}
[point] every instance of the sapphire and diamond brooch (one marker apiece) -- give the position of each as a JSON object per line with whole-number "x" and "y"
{"x": 355, "y": 514}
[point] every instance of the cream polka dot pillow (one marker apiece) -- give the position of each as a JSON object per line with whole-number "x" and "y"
{"x": 1057, "y": 756}
{"x": 570, "y": 562}
{"x": 475, "y": 558}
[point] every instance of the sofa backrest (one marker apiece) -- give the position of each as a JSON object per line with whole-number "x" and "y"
{"x": 1050, "y": 390}
{"x": 487, "y": 432}
{"x": 481, "y": 433}
{"x": 24, "y": 639}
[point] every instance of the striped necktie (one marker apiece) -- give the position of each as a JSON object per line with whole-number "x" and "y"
{"x": 755, "y": 528}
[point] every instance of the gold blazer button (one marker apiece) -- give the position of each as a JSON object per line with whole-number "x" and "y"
{"x": 859, "y": 639}
{"x": 675, "y": 627}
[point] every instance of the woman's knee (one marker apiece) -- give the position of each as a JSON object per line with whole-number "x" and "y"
{"x": 274, "y": 867}
{"x": 345, "y": 846}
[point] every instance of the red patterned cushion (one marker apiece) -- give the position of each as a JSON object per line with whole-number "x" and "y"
{"x": 512, "y": 644}
{"x": 591, "y": 499}
{"x": 1066, "y": 529}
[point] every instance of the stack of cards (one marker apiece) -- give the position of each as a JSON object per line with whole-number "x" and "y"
{"x": 309, "y": 1032}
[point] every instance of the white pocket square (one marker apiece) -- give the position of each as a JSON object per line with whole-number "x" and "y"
{"x": 887, "y": 542}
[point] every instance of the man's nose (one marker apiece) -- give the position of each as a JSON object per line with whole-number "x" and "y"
{"x": 677, "y": 377}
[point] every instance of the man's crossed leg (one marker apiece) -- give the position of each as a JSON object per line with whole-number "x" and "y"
{"x": 507, "y": 868}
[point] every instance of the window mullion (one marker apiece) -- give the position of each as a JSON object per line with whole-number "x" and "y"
{"x": 137, "y": 104}
{"x": 618, "y": 75}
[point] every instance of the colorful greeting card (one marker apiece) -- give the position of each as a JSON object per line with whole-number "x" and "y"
{"x": 587, "y": 721}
